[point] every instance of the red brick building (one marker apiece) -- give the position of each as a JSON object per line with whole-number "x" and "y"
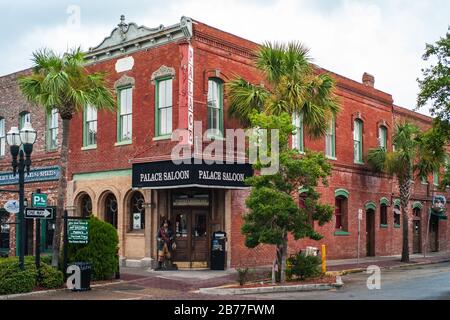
{"x": 44, "y": 173}
{"x": 166, "y": 77}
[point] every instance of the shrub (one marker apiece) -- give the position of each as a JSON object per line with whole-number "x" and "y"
{"x": 50, "y": 278}
{"x": 242, "y": 276}
{"x": 100, "y": 252}
{"x": 303, "y": 267}
{"x": 13, "y": 280}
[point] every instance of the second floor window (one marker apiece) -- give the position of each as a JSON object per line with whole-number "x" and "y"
{"x": 2, "y": 137}
{"x": 330, "y": 139}
{"x": 297, "y": 138}
{"x": 90, "y": 126}
{"x": 215, "y": 106}
{"x": 382, "y": 137}
{"x": 24, "y": 117}
{"x": 164, "y": 107}
{"x": 358, "y": 141}
{"x": 52, "y": 129}
{"x": 125, "y": 124}
{"x": 436, "y": 178}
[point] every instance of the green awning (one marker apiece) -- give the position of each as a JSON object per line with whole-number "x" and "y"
{"x": 441, "y": 216}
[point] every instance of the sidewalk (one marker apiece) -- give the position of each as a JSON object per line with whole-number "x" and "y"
{"x": 386, "y": 261}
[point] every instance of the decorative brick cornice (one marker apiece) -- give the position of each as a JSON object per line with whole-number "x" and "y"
{"x": 124, "y": 81}
{"x": 224, "y": 45}
{"x": 163, "y": 72}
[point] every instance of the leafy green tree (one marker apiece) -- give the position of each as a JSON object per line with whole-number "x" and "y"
{"x": 292, "y": 86}
{"x": 273, "y": 211}
{"x": 435, "y": 85}
{"x": 62, "y": 82}
{"x": 416, "y": 155}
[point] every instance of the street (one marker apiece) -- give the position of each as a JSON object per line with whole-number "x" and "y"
{"x": 418, "y": 282}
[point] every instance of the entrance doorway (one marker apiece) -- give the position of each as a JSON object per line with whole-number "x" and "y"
{"x": 191, "y": 236}
{"x": 433, "y": 234}
{"x": 370, "y": 233}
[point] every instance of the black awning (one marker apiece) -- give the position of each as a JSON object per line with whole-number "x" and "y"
{"x": 166, "y": 174}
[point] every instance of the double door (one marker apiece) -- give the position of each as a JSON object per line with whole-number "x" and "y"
{"x": 191, "y": 236}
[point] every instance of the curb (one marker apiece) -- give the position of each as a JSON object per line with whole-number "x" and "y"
{"x": 20, "y": 295}
{"x": 362, "y": 269}
{"x": 271, "y": 289}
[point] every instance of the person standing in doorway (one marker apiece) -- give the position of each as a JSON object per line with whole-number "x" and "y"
{"x": 166, "y": 245}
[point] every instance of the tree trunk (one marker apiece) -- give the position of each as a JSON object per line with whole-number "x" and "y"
{"x": 283, "y": 259}
{"x": 62, "y": 188}
{"x": 405, "y": 194}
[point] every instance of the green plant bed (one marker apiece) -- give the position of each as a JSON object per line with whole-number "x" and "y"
{"x": 50, "y": 278}
{"x": 301, "y": 267}
{"x": 13, "y": 280}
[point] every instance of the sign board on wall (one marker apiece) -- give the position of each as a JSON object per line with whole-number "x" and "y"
{"x": 35, "y": 175}
{"x": 12, "y": 206}
{"x": 136, "y": 221}
{"x": 191, "y": 95}
{"x": 166, "y": 174}
{"x": 77, "y": 231}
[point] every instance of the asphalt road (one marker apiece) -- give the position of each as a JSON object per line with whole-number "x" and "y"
{"x": 430, "y": 282}
{"x": 410, "y": 283}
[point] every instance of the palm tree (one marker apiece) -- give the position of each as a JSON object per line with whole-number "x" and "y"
{"x": 293, "y": 86}
{"x": 62, "y": 82}
{"x": 416, "y": 154}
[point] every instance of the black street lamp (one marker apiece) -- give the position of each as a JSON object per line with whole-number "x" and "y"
{"x": 21, "y": 146}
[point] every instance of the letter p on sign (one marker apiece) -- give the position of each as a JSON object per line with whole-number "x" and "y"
{"x": 39, "y": 200}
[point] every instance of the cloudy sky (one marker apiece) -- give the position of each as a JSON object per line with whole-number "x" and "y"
{"x": 383, "y": 37}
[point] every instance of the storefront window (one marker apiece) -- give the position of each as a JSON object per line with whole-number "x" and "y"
{"x": 137, "y": 211}
{"x": 111, "y": 210}
{"x": 4, "y": 233}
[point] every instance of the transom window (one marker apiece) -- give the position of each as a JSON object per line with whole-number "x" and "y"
{"x": 330, "y": 139}
{"x": 52, "y": 129}
{"x": 215, "y": 106}
{"x": 357, "y": 141}
{"x": 164, "y": 107}
{"x": 2, "y": 137}
{"x": 90, "y": 126}
{"x": 125, "y": 114}
{"x": 297, "y": 138}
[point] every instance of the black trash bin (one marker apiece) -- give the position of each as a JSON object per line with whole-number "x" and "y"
{"x": 86, "y": 274}
{"x": 218, "y": 250}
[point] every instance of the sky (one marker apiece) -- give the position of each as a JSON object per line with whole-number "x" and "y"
{"x": 385, "y": 38}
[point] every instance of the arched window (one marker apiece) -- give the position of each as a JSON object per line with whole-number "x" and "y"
{"x": 383, "y": 215}
{"x": 2, "y": 137}
{"x": 215, "y": 106}
{"x": 358, "y": 141}
{"x": 24, "y": 118}
{"x": 341, "y": 213}
{"x": 111, "y": 209}
{"x": 85, "y": 206}
{"x": 397, "y": 212}
{"x": 137, "y": 212}
{"x": 382, "y": 137}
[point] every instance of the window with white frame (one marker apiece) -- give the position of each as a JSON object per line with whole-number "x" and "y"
{"x": 24, "y": 118}
{"x": 215, "y": 106}
{"x": 436, "y": 178}
{"x": 330, "y": 139}
{"x": 2, "y": 137}
{"x": 382, "y": 137}
{"x": 164, "y": 107}
{"x": 125, "y": 125}
{"x": 90, "y": 126}
{"x": 297, "y": 138}
{"x": 358, "y": 141}
{"x": 52, "y": 129}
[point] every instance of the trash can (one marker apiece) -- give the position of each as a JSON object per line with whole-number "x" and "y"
{"x": 218, "y": 250}
{"x": 85, "y": 276}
